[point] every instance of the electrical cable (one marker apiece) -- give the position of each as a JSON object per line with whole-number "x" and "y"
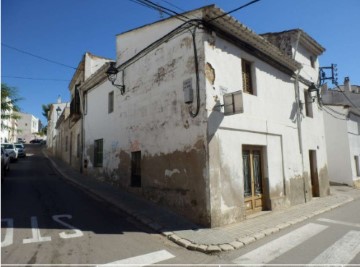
{"x": 30, "y": 78}
{"x": 160, "y": 8}
{"x": 234, "y": 10}
{"x": 39, "y": 57}
{"x": 353, "y": 104}
{"x": 164, "y": 8}
{"x": 323, "y": 108}
{"x": 197, "y": 76}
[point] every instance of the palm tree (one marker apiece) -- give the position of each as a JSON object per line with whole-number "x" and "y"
{"x": 46, "y": 109}
{"x": 9, "y": 106}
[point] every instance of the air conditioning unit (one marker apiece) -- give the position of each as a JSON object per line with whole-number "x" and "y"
{"x": 233, "y": 103}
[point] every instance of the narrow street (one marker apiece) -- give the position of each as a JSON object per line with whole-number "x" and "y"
{"x": 46, "y": 220}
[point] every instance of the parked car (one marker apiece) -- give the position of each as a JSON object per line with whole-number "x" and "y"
{"x": 11, "y": 150}
{"x": 21, "y": 150}
{"x": 5, "y": 163}
{"x": 35, "y": 141}
{"x": 21, "y": 140}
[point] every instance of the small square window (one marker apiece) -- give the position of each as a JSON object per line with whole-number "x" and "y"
{"x": 247, "y": 77}
{"x": 111, "y": 102}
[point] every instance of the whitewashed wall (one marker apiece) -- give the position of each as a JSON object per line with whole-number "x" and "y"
{"x": 152, "y": 117}
{"x": 343, "y": 143}
{"x": 269, "y": 120}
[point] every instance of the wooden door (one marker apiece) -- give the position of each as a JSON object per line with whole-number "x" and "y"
{"x": 253, "y": 179}
{"x": 314, "y": 174}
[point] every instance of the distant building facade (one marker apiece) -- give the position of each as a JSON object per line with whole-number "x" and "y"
{"x": 342, "y": 131}
{"x": 28, "y": 126}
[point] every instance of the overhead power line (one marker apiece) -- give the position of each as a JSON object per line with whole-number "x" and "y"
{"x": 39, "y": 57}
{"x": 37, "y": 79}
{"x": 158, "y": 7}
{"x": 348, "y": 99}
{"x": 234, "y": 10}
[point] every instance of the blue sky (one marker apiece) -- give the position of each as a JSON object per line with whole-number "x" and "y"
{"x": 63, "y": 30}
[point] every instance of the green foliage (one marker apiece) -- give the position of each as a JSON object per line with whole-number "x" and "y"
{"x": 9, "y": 104}
{"x": 46, "y": 109}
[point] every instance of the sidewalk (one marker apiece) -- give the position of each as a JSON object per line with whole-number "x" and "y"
{"x": 191, "y": 236}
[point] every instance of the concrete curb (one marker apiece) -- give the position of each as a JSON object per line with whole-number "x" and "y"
{"x": 237, "y": 243}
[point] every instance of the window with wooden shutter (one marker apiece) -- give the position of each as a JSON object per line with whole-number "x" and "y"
{"x": 246, "y": 77}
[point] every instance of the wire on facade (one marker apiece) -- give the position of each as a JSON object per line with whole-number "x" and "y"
{"x": 348, "y": 99}
{"x": 324, "y": 108}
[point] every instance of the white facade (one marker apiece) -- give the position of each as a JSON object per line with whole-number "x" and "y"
{"x": 53, "y": 115}
{"x": 8, "y": 127}
{"x": 28, "y": 126}
{"x": 343, "y": 144}
{"x": 194, "y": 163}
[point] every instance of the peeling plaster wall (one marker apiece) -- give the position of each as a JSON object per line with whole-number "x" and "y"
{"x": 152, "y": 117}
{"x": 268, "y": 121}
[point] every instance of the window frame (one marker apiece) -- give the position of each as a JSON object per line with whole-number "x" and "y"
{"x": 111, "y": 102}
{"x": 248, "y": 85}
{"x": 309, "y": 111}
{"x": 98, "y": 152}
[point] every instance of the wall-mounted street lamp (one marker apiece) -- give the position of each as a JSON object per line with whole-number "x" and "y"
{"x": 112, "y": 75}
{"x": 313, "y": 91}
{"x": 58, "y": 110}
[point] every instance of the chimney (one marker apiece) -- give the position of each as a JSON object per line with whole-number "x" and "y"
{"x": 347, "y": 85}
{"x": 59, "y": 99}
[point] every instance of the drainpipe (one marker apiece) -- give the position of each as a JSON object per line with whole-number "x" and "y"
{"x": 298, "y": 115}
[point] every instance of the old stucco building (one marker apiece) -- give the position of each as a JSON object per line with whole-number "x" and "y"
{"x": 342, "y": 132}
{"x": 213, "y": 121}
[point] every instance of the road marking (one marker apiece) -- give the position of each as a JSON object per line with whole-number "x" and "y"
{"x": 277, "y": 247}
{"x": 9, "y": 235}
{"x": 77, "y": 232}
{"x": 342, "y": 251}
{"x": 36, "y": 233}
{"x": 339, "y": 222}
{"x": 143, "y": 260}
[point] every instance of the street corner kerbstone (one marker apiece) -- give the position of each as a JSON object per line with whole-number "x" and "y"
{"x": 213, "y": 249}
{"x": 194, "y": 247}
{"x": 226, "y": 247}
{"x": 183, "y": 242}
{"x": 202, "y": 248}
{"x": 283, "y": 225}
{"x": 237, "y": 244}
{"x": 174, "y": 237}
{"x": 259, "y": 235}
{"x": 246, "y": 239}
{"x": 167, "y": 233}
{"x": 270, "y": 231}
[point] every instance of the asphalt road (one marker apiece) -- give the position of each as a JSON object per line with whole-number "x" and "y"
{"x": 329, "y": 238}
{"x": 46, "y": 220}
